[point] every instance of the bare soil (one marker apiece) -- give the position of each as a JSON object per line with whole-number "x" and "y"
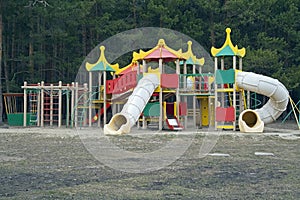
{"x": 52, "y": 163}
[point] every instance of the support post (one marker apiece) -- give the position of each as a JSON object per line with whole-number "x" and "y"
{"x": 38, "y": 105}
{"x": 99, "y": 97}
{"x": 160, "y": 124}
{"x": 68, "y": 105}
{"x": 25, "y": 105}
{"x": 194, "y": 100}
{"x": 85, "y": 98}
{"x": 177, "y": 90}
{"x": 76, "y": 109}
{"x": 234, "y": 95}
{"x": 216, "y": 92}
{"x": 59, "y": 103}
{"x": 104, "y": 99}
{"x": 185, "y": 89}
{"x": 51, "y": 104}
{"x": 42, "y": 103}
{"x": 90, "y": 97}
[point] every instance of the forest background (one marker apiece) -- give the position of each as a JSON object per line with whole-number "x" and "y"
{"x": 47, "y": 40}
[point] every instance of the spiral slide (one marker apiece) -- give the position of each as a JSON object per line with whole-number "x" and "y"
{"x": 122, "y": 122}
{"x": 254, "y": 120}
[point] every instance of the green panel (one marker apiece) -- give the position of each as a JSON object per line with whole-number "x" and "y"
{"x": 16, "y": 119}
{"x": 152, "y": 110}
{"x": 226, "y": 51}
{"x": 225, "y": 76}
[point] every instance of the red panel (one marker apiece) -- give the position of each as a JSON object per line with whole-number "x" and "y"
{"x": 109, "y": 86}
{"x": 182, "y": 108}
{"x": 169, "y": 80}
{"x": 121, "y": 84}
{"x": 170, "y": 109}
{"x": 225, "y": 114}
{"x": 205, "y": 83}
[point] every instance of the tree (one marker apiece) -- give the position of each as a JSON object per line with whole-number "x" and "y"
{"x": 1, "y": 95}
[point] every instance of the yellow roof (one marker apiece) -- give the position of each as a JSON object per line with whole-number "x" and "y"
{"x": 228, "y": 49}
{"x": 101, "y": 64}
{"x": 190, "y": 57}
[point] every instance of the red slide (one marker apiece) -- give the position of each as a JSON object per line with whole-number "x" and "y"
{"x": 173, "y": 123}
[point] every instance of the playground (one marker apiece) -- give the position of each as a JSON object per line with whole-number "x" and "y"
{"x": 161, "y": 87}
{"x": 163, "y": 95}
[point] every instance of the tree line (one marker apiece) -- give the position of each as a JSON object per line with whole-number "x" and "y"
{"x": 48, "y": 39}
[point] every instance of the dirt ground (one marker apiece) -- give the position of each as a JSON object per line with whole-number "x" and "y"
{"x": 52, "y": 163}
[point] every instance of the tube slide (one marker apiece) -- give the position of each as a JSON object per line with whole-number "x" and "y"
{"x": 272, "y": 88}
{"x": 122, "y": 122}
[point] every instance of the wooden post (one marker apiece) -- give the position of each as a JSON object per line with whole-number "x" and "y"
{"x": 177, "y": 90}
{"x": 25, "y": 104}
{"x": 59, "y": 103}
{"x": 72, "y": 104}
{"x": 216, "y": 92}
{"x": 76, "y": 109}
{"x": 104, "y": 99}
{"x": 99, "y": 97}
{"x": 90, "y": 97}
{"x": 194, "y": 99}
{"x": 222, "y": 85}
{"x": 145, "y": 66}
{"x": 85, "y": 98}
{"x": 51, "y": 104}
{"x": 160, "y": 124}
{"x": 42, "y": 103}
{"x": 185, "y": 89}
{"x": 68, "y": 105}
{"x": 38, "y": 105}
{"x": 234, "y": 95}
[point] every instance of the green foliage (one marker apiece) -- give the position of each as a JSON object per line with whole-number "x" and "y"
{"x": 63, "y": 33}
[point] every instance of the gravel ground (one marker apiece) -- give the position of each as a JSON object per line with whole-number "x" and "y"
{"x": 53, "y": 163}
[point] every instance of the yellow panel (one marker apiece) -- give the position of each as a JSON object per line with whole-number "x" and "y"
{"x": 225, "y": 90}
{"x": 97, "y": 101}
{"x": 204, "y": 111}
{"x": 226, "y": 126}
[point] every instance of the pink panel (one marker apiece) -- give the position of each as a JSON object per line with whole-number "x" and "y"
{"x": 169, "y": 80}
{"x": 225, "y": 114}
{"x": 182, "y": 108}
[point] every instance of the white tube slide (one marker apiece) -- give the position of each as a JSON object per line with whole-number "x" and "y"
{"x": 122, "y": 122}
{"x": 272, "y": 88}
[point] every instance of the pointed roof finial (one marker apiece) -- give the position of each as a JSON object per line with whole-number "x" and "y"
{"x": 190, "y": 57}
{"x": 101, "y": 64}
{"x": 228, "y": 49}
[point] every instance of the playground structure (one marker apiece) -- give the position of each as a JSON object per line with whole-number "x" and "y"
{"x": 229, "y": 93}
{"x": 46, "y": 105}
{"x": 147, "y": 93}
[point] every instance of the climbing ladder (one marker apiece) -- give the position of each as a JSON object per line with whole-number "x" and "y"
{"x": 34, "y": 107}
{"x": 82, "y": 109}
{"x": 50, "y": 107}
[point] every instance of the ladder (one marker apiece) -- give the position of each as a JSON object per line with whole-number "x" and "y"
{"x": 34, "y": 107}
{"x": 80, "y": 113}
{"x": 50, "y": 107}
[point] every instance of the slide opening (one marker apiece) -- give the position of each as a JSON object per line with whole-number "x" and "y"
{"x": 250, "y": 118}
{"x": 117, "y": 121}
